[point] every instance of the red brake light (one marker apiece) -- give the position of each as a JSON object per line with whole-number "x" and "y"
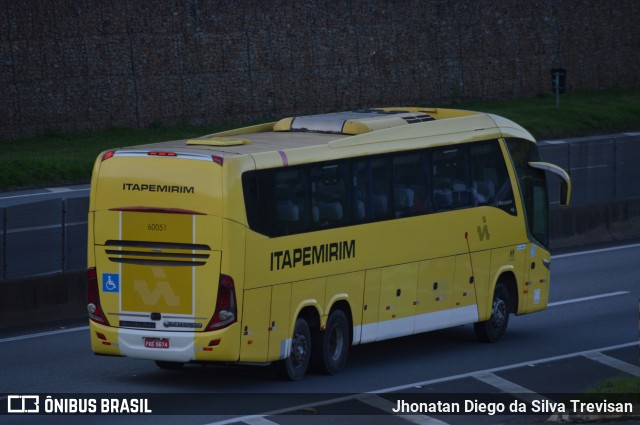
{"x": 108, "y": 155}
{"x": 226, "y": 312}
{"x": 93, "y": 306}
{"x": 161, "y": 153}
{"x": 217, "y": 159}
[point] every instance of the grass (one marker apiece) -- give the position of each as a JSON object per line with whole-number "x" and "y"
{"x": 618, "y": 389}
{"x": 56, "y": 159}
{"x": 579, "y": 114}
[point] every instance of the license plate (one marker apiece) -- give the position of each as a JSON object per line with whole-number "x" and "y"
{"x": 156, "y": 342}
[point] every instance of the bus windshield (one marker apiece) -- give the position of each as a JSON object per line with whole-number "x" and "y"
{"x": 533, "y": 186}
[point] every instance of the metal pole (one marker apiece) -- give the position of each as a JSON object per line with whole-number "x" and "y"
{"x": 63, "y": 229}
{"x": 557, "y": 90}
{"x": 615, "y": 168}
{"x": 3, "y": 243}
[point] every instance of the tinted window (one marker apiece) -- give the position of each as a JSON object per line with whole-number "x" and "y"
{"x": 450, "y": 175}
{"x": 490, "y": 179}
{"x": 330, "y": 204}
{"x": 325, "y": 195}
{"x": 533, "y": 187}
{"x": 292, "y": 209}
{"x": 372, "y": 188}
{"x": 411, "y": 193}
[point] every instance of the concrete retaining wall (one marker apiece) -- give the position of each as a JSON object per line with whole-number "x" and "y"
{"x": 82, "y": 65}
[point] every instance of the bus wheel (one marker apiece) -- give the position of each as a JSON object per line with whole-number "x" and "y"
{"x": 295, "y": 366}
{"x": 334, "y": 344}
{"x": 493, "y": 329}
{"x": 169, "y": 365}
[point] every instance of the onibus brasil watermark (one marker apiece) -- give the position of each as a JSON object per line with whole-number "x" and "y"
{"x": 76, "y": 405}
{"x": 516, "y": 406}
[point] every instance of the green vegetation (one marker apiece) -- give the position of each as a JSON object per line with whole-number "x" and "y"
{"x": 56, "y": 159}
{"x": 622, "y": 384}
{"x": 580, "y": 113}
{"x": 618, "y": 389}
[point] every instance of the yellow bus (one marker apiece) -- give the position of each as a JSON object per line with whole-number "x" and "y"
{"x": 288, "y": 242}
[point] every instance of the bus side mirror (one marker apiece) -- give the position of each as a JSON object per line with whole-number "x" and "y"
{"x": 564, "y": 193}
{"x": 565, "y": 180}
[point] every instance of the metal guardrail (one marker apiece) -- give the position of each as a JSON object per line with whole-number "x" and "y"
{"x": 43, "y": 238}
{"x": 51, "y": 236}
{"x": 602, "y": 169}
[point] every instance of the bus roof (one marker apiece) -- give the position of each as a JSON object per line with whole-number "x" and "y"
{"x": 349, "y": 129}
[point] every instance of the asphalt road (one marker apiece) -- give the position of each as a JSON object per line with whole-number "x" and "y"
{"x": 594, "y": 306}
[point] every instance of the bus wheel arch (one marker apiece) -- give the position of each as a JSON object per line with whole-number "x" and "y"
{"x": 503, "y": 303}
{"x": 295, "y": 366}
{"x": 508, "y": 279}
{"x": 331, "y": 345}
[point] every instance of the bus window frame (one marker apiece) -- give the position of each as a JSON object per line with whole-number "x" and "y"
{"x": 263, "y": 220}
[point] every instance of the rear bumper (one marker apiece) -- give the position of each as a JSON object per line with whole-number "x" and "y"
{"x": 183, "y": 346}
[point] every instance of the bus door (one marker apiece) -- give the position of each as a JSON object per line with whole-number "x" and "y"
{"x": 537, "y": 280}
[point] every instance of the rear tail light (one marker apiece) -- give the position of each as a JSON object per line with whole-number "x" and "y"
{"x": 217, "y": 159}
{"x": 226, "y": 312}
{"x": 108, "y": 155}
{"x": 93, "y": 307}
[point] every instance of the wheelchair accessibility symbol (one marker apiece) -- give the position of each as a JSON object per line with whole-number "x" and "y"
{"x": 110, "y": 282}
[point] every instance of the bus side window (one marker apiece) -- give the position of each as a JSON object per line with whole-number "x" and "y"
{"x": 360, "y": 190}
{"x": 450, "y": 176}
{"x": 491, "y": 184}
{"x": 259, "y": 197}
{"x": 291, "y": 206}
{"x": 329, "y": 200}
{"x": 372, "y": 189}
{"x": 409, "y": 185}
{"x": 381, "y": 188}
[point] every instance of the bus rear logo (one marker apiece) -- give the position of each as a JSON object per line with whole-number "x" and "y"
{"x": 161, "y": 289}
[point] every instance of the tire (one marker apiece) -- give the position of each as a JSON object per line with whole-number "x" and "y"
{"x": 294, "y": 367}
{"x": 169, "y": 365}
{"x": 493, "y": 329}
{"x": 332, "y": 347}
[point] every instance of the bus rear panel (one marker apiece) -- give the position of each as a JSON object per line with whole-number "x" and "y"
{"x": 158, "y": 289}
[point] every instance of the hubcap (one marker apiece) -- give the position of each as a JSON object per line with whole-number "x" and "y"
{"x": 499, "y": 314}
{"x": 300, "y": 349}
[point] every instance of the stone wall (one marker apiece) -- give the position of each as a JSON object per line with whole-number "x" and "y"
{"x": 68, "y": 65}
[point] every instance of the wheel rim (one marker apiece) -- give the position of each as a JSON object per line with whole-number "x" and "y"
{"x": 300, "y": 350}
{"x": 499, "y": 313}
